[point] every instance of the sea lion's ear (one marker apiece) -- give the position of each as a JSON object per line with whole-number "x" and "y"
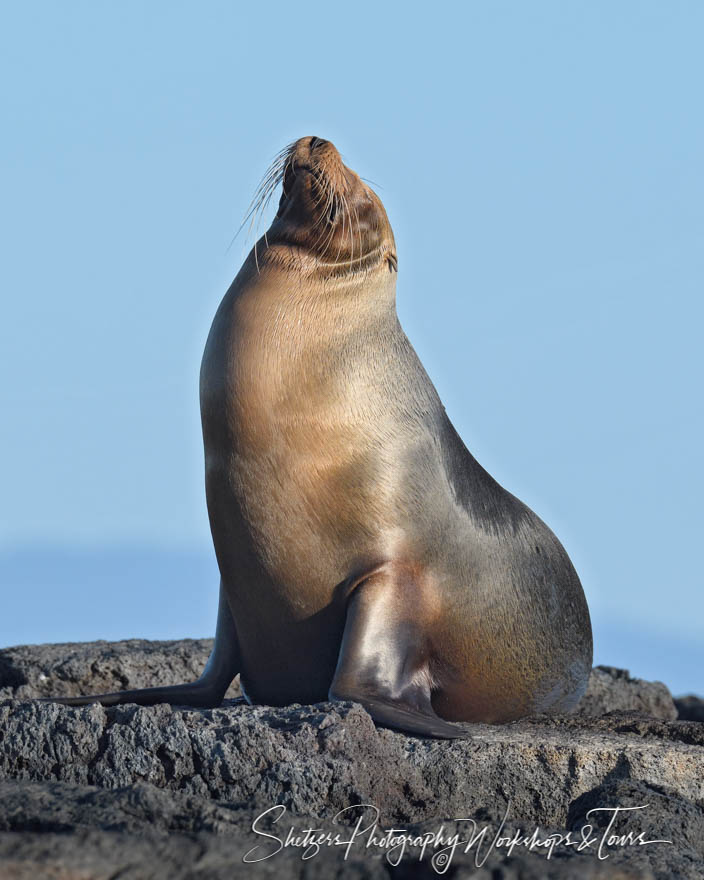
{"x": 383, "y": 661}
{"x": 392, "y": 260}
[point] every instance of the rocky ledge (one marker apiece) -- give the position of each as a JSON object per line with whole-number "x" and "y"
{"x": 167, "y": 792}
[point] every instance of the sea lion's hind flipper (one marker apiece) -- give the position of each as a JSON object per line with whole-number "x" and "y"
{"x": 384, "y": 656}
{"x": 207, "y": 692}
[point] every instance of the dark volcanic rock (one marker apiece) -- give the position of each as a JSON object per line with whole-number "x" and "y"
{"x": 172, "y": 792}
{"x": 147, "y": 832}
{"x": 71, "y": 669}
{"x": 614, "y": 690}
{"x": 667, "y": 817}
{"x": 316, "y": 760}
{"x": 690, "y": 708}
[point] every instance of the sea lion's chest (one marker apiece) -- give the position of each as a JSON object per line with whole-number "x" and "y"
{"x": 299, "y": 431}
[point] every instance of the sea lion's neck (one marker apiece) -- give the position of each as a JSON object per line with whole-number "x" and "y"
{"x": 286, "y": 347}
{"x": 293, "y": 312}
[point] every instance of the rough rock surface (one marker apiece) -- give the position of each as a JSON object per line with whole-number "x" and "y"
{"x": 169, "y": 792}
{"x": 614, "y": 690}
{"x": 71, "y": 669}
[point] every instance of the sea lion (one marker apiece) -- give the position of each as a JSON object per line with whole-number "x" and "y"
{"x": 364, "y": 553}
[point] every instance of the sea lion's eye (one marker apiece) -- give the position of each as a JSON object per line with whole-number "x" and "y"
{"x": 392, "y": 260}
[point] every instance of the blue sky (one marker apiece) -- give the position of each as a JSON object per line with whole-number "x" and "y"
{"x": 541, "y": 166}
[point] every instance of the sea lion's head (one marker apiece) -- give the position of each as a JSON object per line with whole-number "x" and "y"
{"x": 327, "y": 214}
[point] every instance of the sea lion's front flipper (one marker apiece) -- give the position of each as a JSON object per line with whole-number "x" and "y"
{"x": 384, "y": 660}
{"x": 207, "y": 692}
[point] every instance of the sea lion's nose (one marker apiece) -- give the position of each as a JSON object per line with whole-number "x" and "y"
{"x": 317, "y": 142}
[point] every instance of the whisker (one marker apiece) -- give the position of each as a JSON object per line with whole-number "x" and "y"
{"x": 267, "y": 187}
{"x": 324, "y": 214}
{"x": 342, "y": 236}
{"x": 350, "y": 233}
{"x": 359, "y": 230}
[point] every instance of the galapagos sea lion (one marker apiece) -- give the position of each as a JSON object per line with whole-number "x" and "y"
{"x": 364, "y": 553}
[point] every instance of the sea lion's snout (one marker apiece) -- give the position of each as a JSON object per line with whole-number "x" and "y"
{"x": 315, "y": 165}
{"x": 317, "y": 142}
{"x": 327, "y": 209}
